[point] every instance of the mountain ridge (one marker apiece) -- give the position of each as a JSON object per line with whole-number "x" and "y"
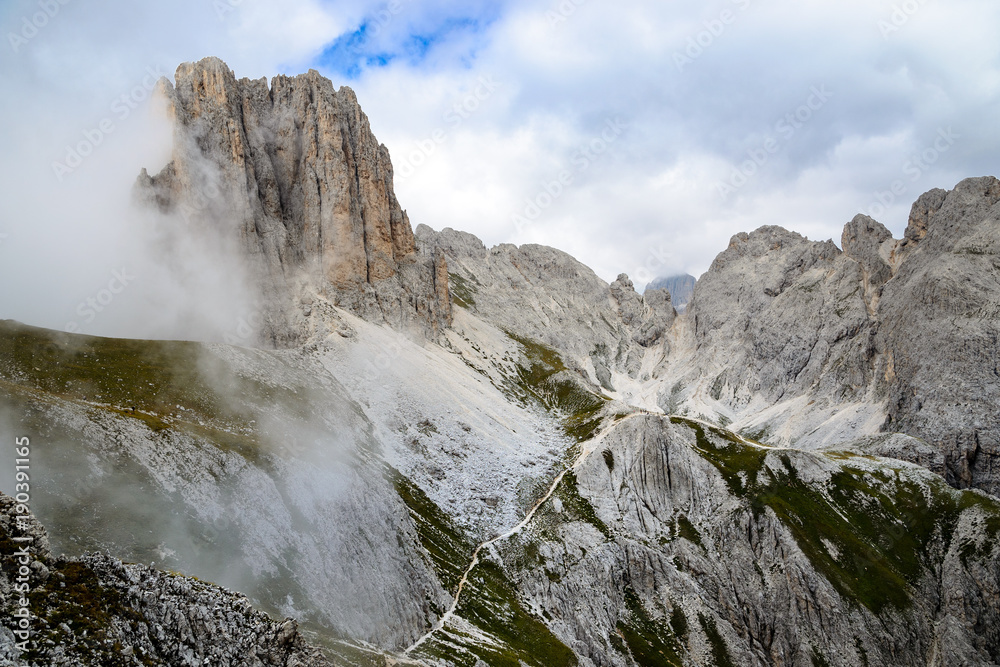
{"x": 448, "y": 454}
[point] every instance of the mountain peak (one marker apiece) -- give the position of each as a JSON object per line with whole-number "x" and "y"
{"x": 294, "y": 176}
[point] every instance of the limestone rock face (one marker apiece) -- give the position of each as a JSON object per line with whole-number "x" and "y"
{"x": 939, "y": 327}
{"x": 544, "y": 294}
{"x": 898, "y": 446}
{"x": 648, "y": 315}
{"x": 777, "y": 316}
{"x": 103, "y": 611}
{"x": 658, "y": 320}
{"x": 812, "y": 345}
{"x": 863, "y": 240}
{"x": 293, "y": 174}
{"x": 743, "y": 543}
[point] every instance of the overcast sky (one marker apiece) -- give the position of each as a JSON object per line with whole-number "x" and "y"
{"x": 638, "y": 136}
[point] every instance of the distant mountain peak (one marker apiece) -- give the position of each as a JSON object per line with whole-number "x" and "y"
{"x": 680, "y": 286}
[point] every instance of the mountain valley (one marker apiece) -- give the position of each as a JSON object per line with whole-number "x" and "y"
{"x": 434, "y": 452}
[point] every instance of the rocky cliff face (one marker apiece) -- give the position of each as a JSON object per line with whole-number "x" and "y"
{"x": 293, "y": 175}
{"x": 939, "y": 330}
{"x": 545, "y": 295}
{"x": 96, "y": 610}
{"x": 806, "y": 343}
{"x": 704, "y": 548}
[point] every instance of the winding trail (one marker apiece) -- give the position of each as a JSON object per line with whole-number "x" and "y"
{"x": 584, "y": 453}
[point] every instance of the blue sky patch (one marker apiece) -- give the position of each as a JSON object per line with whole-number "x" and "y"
{"x": 379, "y": 42}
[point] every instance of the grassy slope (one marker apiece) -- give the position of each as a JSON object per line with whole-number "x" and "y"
{"x": 545, "y": 380}
{"x": 163, "y": 384}
{"x": 489, "y": 601}
{"x": 166, "y": 386}
{"x": 507, "y": 633}
{"x": 886, "y": 528}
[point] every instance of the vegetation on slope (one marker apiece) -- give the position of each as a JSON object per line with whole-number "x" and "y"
{"x": 463, "y": 292}
{"x": 507, "y": 634}
{"x": 649, "y": 641}
{"x": 162, "y": 384}
{"x": 71, "y": 609}
{"x": 870, "y": 533}
{"x": 449, "y": 549}
{"x": 547, "y": 381}
{"x": 720, "y": 652}
{"x": 512, "y": 635}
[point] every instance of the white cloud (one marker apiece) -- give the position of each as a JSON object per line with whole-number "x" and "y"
{"x": 560, "y": 80}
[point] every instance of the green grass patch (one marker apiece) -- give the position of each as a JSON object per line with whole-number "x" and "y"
{"x": 651, "y": 642}
{"x": 687, "y": 530}
{"x": 576, "y": 507}
{"x": 818, "y": 659}
{"x": 720, "y": 652}
{"x": 450, "y": 550}
{"x": 679, "y": 623}
{"x": 869, "y": 534}
{"x": 163, "y": 384}
{"x": 490, "y": 602}
{"x": 546, "y": 381}
{"x": 148, "y": 376}
{"x": 462, "y": 291}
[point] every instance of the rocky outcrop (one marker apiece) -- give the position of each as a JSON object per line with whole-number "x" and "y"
{"x": 681, "y": 288}
{"x": 801, "y": 342}
{"x": 292, "y": 175}
{"x": 96, "y": 610}
{"x": 939, "y": 329}
{"x": 864, "y": 240}
{"x": 648, "y": 316}
{"x": 543, "y": 294}
{"x": 897, "y": 446}
{"x": 704, "y": 549}
{"x": 775, "y": 318}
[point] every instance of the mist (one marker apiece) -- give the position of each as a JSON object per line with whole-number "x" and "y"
{"x": 79, "y": 254}
{"x": 479, "y": 156}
